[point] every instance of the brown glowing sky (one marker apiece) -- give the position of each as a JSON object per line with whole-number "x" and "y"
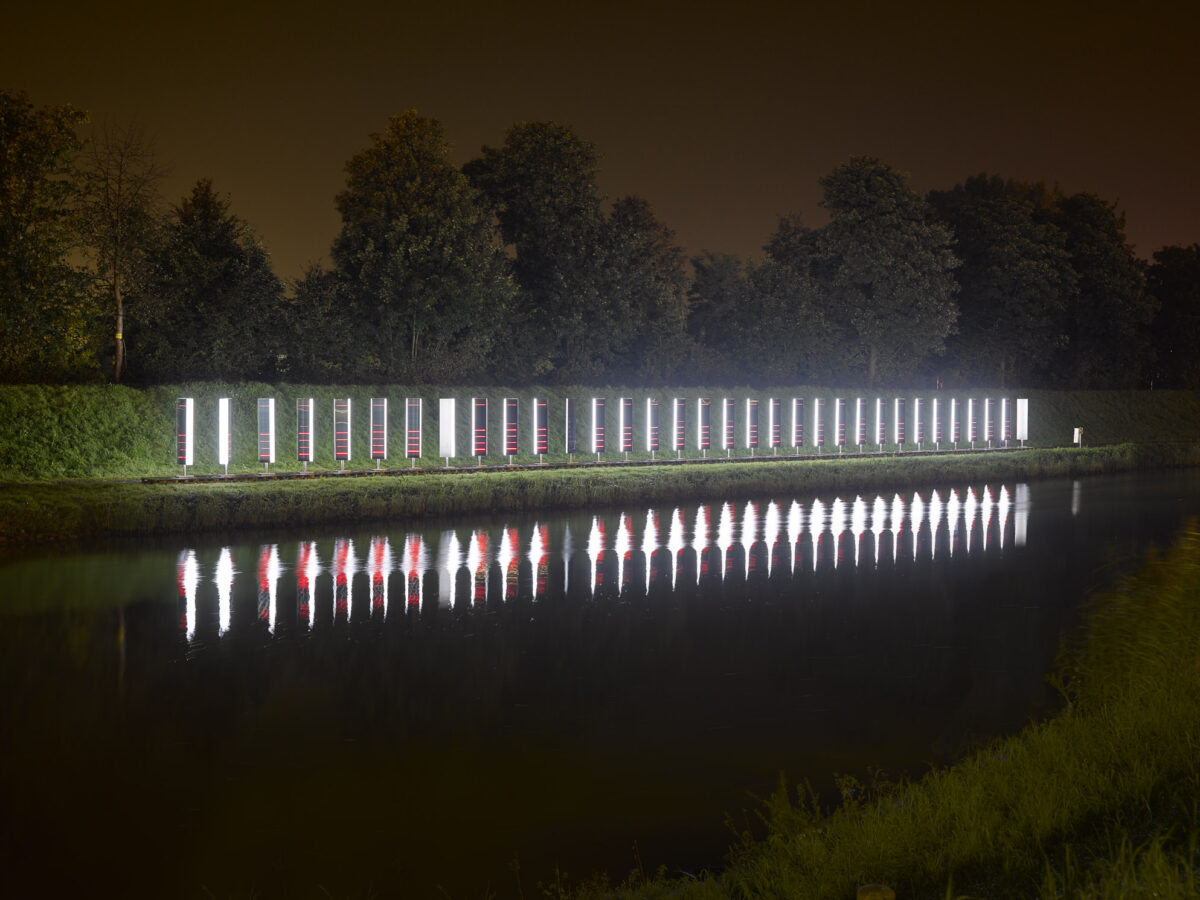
{"x": 723, "y": 115}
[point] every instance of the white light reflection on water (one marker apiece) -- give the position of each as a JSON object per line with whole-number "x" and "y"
{"x": 752, "y": 530}
{"x": 450, "y": 558}
{"x": 187, "y": 576}
{"x": 772, "y": 523}
{"x": 650, "y": 544}
{"x": 224, "y": 579}
{"x": 675, "y": 544}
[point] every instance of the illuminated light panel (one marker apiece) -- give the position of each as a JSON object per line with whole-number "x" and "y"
{"x": 678, "y": 424}
{"x": 1022, "y": 419}
{"x": 479, "y": 435}
{"x": 304, "y": 429}
{"x": 1005, "y": 421}
{"x": 379, "y": 437}
{"x": 598, "y": 435}
{"x": 839, "y": 422}
{"x": 184, "y": 422}
{"x": 569, "y": 425}
{"x": 651, "y": 425}
{"x": 818, "y": 422}
{"x": 775, "y": 426}
{"x": 797, "y": 423}
{"x": 414, "y": 423}
{"x": 898, "y": 422}
{"x": 751, "y": 424}
{"x": 224, "y": 434}
{"x": 880, "y": 422}
{"x": 541, "y": 427}
{"x": 446, "y": 429}
{"x": 918, "y": 421}
{"x": 955, "y": 423}
{"x": 266, "y": 429}
{"x": 860, "y": 422}
{"x": 936, "y": 411}
{"x": 511, "y": 424}
{"x": 341, "y": 429}
{"x": 989, "y": 431}
{"x": 972, "y": 422}
{"x": 703, "y": 424}
{"x": 727, "y": 422}
{"x": 626, "y": 417}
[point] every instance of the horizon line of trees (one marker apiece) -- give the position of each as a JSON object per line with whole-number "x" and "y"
{"x": 514, "y": 269}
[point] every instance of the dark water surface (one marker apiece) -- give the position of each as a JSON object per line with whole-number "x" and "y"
{"x": 394, "y": 711}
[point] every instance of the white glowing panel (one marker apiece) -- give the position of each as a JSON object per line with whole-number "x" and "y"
{"x": 918, "y": 422}
{"x": 860, "y": 423}
{"x": 446, "y": 428}
{"x": 936, "y": 424}
{"x": 880, "y": 423}
{"x": 223, "y": 436}
{"x": 987, "y": 420}
{"x": 1005, "y": 421}
{"x": 266, "y": 429}
{"x": 898, "y": 421}
{"x": 818, "y": 422}
{"x": 972, "y": 422}
{"x": 1022, "y": 419}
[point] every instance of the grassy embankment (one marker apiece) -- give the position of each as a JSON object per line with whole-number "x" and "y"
{"x": 1099, "y": 801}
{"x": 91, "y": 435}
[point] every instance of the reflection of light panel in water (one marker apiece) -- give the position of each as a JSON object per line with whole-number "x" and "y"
{"x": 568, "y": 547}
{"x": 540, "y": 560}
{"x": 970, "y": 512}
{"x": 343, "y": 576}
{"x": 675, "y": 542}
{"x": 724, "y": 538}
{"x": 700, "y": 539}
{"x": 307, "y": 567}
{"x": 379, "y": 567}
{"x": 749, "y": 536}
{"x": 477, "y": 563}
{"x": 916, "y": 516}
{"x": 624, "y": 549}
{"x": 650, "y": 543}
{"x": 595, "y": 552}
{"x": 1002, "y": 507}
{"x": 224, "y": 579}
{"x": 936, "y": 508}
{"x": 858, "y": 524}
{"x": 268, "y": 579}
{"x": 898, "y": 520}
{"x": 1021, "y": 515}
{"x": 953, "y": 509}
{"x": 509, "y": 555}
{"x": 449, "y": 560}
{"x": 795, "y": 527}
{"x": 187, "y": 576}
{"x": 416, "y": 561}
{"x": 772, "y": 522}
{"x": 879, "y": 513}
{"x": 839, "y": 523}
{"x": 816, "y": 526}
{"x": 985, "y": 513}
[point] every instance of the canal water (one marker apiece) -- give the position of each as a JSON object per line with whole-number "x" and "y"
{"x": 466, "y": 708}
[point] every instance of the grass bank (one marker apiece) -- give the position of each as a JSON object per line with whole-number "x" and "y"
{"x": 41, "y": 511}
{"x": 1100, "y": 801}
{"x": 49, "y": 433}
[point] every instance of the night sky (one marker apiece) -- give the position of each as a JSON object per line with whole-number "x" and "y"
{"x": 722, "y": 115}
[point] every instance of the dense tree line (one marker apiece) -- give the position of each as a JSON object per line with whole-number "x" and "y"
{"x": 514, "y": 268}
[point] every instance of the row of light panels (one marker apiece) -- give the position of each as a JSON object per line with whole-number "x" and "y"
{"x": 937, "y": 421}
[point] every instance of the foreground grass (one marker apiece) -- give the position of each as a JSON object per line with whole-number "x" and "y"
{"x": 1101, "y": 801}
{"x": 44, "y": 511}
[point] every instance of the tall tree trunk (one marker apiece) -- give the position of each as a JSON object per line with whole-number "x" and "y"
{"x": 120, "y": 329}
